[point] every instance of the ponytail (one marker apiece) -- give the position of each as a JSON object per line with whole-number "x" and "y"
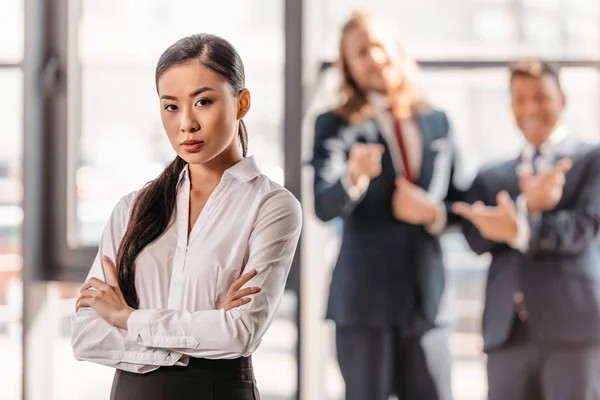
{"x": 243, "y": 136}
{"x": 151, "y": 214}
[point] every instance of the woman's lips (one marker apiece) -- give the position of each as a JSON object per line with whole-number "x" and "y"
{"x": 192, "y": 146}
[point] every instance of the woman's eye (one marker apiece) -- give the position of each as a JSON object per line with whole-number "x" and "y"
{"x": 203, "y": 102}
{"x": 170, "y": 107}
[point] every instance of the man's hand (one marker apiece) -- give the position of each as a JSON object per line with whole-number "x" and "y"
{"x": 411, "y": 204}
{"x": 498, "y": 224}
{"x": 544, "y": 190}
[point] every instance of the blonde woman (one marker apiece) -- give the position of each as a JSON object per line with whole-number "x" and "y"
{"x": 384, "y": 164}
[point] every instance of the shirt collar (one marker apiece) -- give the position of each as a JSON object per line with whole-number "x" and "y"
{"x": 244, "y": 171}
{"x": 183, "y": 174}
{"x": 559, "y": 134}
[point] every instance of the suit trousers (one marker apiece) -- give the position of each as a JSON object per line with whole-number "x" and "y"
{"x": 378, "y": 362}
{"x": 525, "y": 370}
{"x": 201, "y": 379}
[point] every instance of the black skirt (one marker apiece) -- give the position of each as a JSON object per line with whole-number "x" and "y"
{"x": 202, "y": 379}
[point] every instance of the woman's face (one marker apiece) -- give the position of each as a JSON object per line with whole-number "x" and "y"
{"x": 200, "y": 112}
{"x": 373, "y": 59}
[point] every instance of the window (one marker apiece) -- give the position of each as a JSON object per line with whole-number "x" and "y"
{"x": 11, "y": 195}
{"x": 115, "y": 115}
{"x": 11, "y": 218}
{"x": 11, "y": 31}
{"x": 475, "y": 29}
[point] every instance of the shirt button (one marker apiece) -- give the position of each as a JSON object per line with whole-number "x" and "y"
{"x": 175, "y": 284}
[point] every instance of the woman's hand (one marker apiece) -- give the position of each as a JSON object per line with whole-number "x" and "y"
{"x": 237, "y": 297}
{"x": 106, "y": 297}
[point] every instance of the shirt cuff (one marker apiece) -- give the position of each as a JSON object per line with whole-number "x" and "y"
{"x": 355, "y": 192}
{"x": 147, "y": 362}
{"x": 441, "y": 218}
{"x": 146, "y": 329}
{"x": 139, "y": 326}
{"x": 521, "y": 241}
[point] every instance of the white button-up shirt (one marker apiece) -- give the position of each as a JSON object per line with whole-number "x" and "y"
{"x": 547, "y": 152}
{"x": 410, "y": 134}
{"x": 248, "y": 222}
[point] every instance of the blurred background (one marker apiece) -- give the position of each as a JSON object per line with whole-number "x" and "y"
{"x": 80, "y": 128}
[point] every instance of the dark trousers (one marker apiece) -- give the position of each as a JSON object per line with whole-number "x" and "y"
{"x": 201, "y": 379}
{"x": 524, "y": 370}
{"x": 378, "y": 362}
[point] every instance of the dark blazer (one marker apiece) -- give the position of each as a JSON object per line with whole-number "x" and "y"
{"x": 388, "y": 273}
{"x": 560, "y": 273}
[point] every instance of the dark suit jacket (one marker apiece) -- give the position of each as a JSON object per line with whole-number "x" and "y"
{"x": 388, "y": 273}
{"x": 560, "y": 273}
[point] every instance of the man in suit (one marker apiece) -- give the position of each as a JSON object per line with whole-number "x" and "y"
{"x": 539, "y": 218}
{"x": 384, "y": 162}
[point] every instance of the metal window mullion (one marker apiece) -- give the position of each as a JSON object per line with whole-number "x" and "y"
{"x": 36, "y": 251}
{"x": 293, "y": 113}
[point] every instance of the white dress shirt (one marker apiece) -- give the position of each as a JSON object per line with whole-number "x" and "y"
{"x": 413, "y": 140}
{"x": 547, "y": 151}
{"x": 410, "y": 134}
{"x": 248, "y": 222}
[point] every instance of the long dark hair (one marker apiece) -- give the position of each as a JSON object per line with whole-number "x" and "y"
{"x": 154, "y": 204}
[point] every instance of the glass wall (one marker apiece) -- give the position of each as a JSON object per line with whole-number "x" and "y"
{"x": 12, "y": 32}
{"x": 476, "y": 29}
{"x": 114, "y": 110}
{"x": 11, "y": 194}
{"x": 11, "y": 218}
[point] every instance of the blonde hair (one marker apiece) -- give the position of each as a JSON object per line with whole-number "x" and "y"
{"x": 354, "y": 104}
